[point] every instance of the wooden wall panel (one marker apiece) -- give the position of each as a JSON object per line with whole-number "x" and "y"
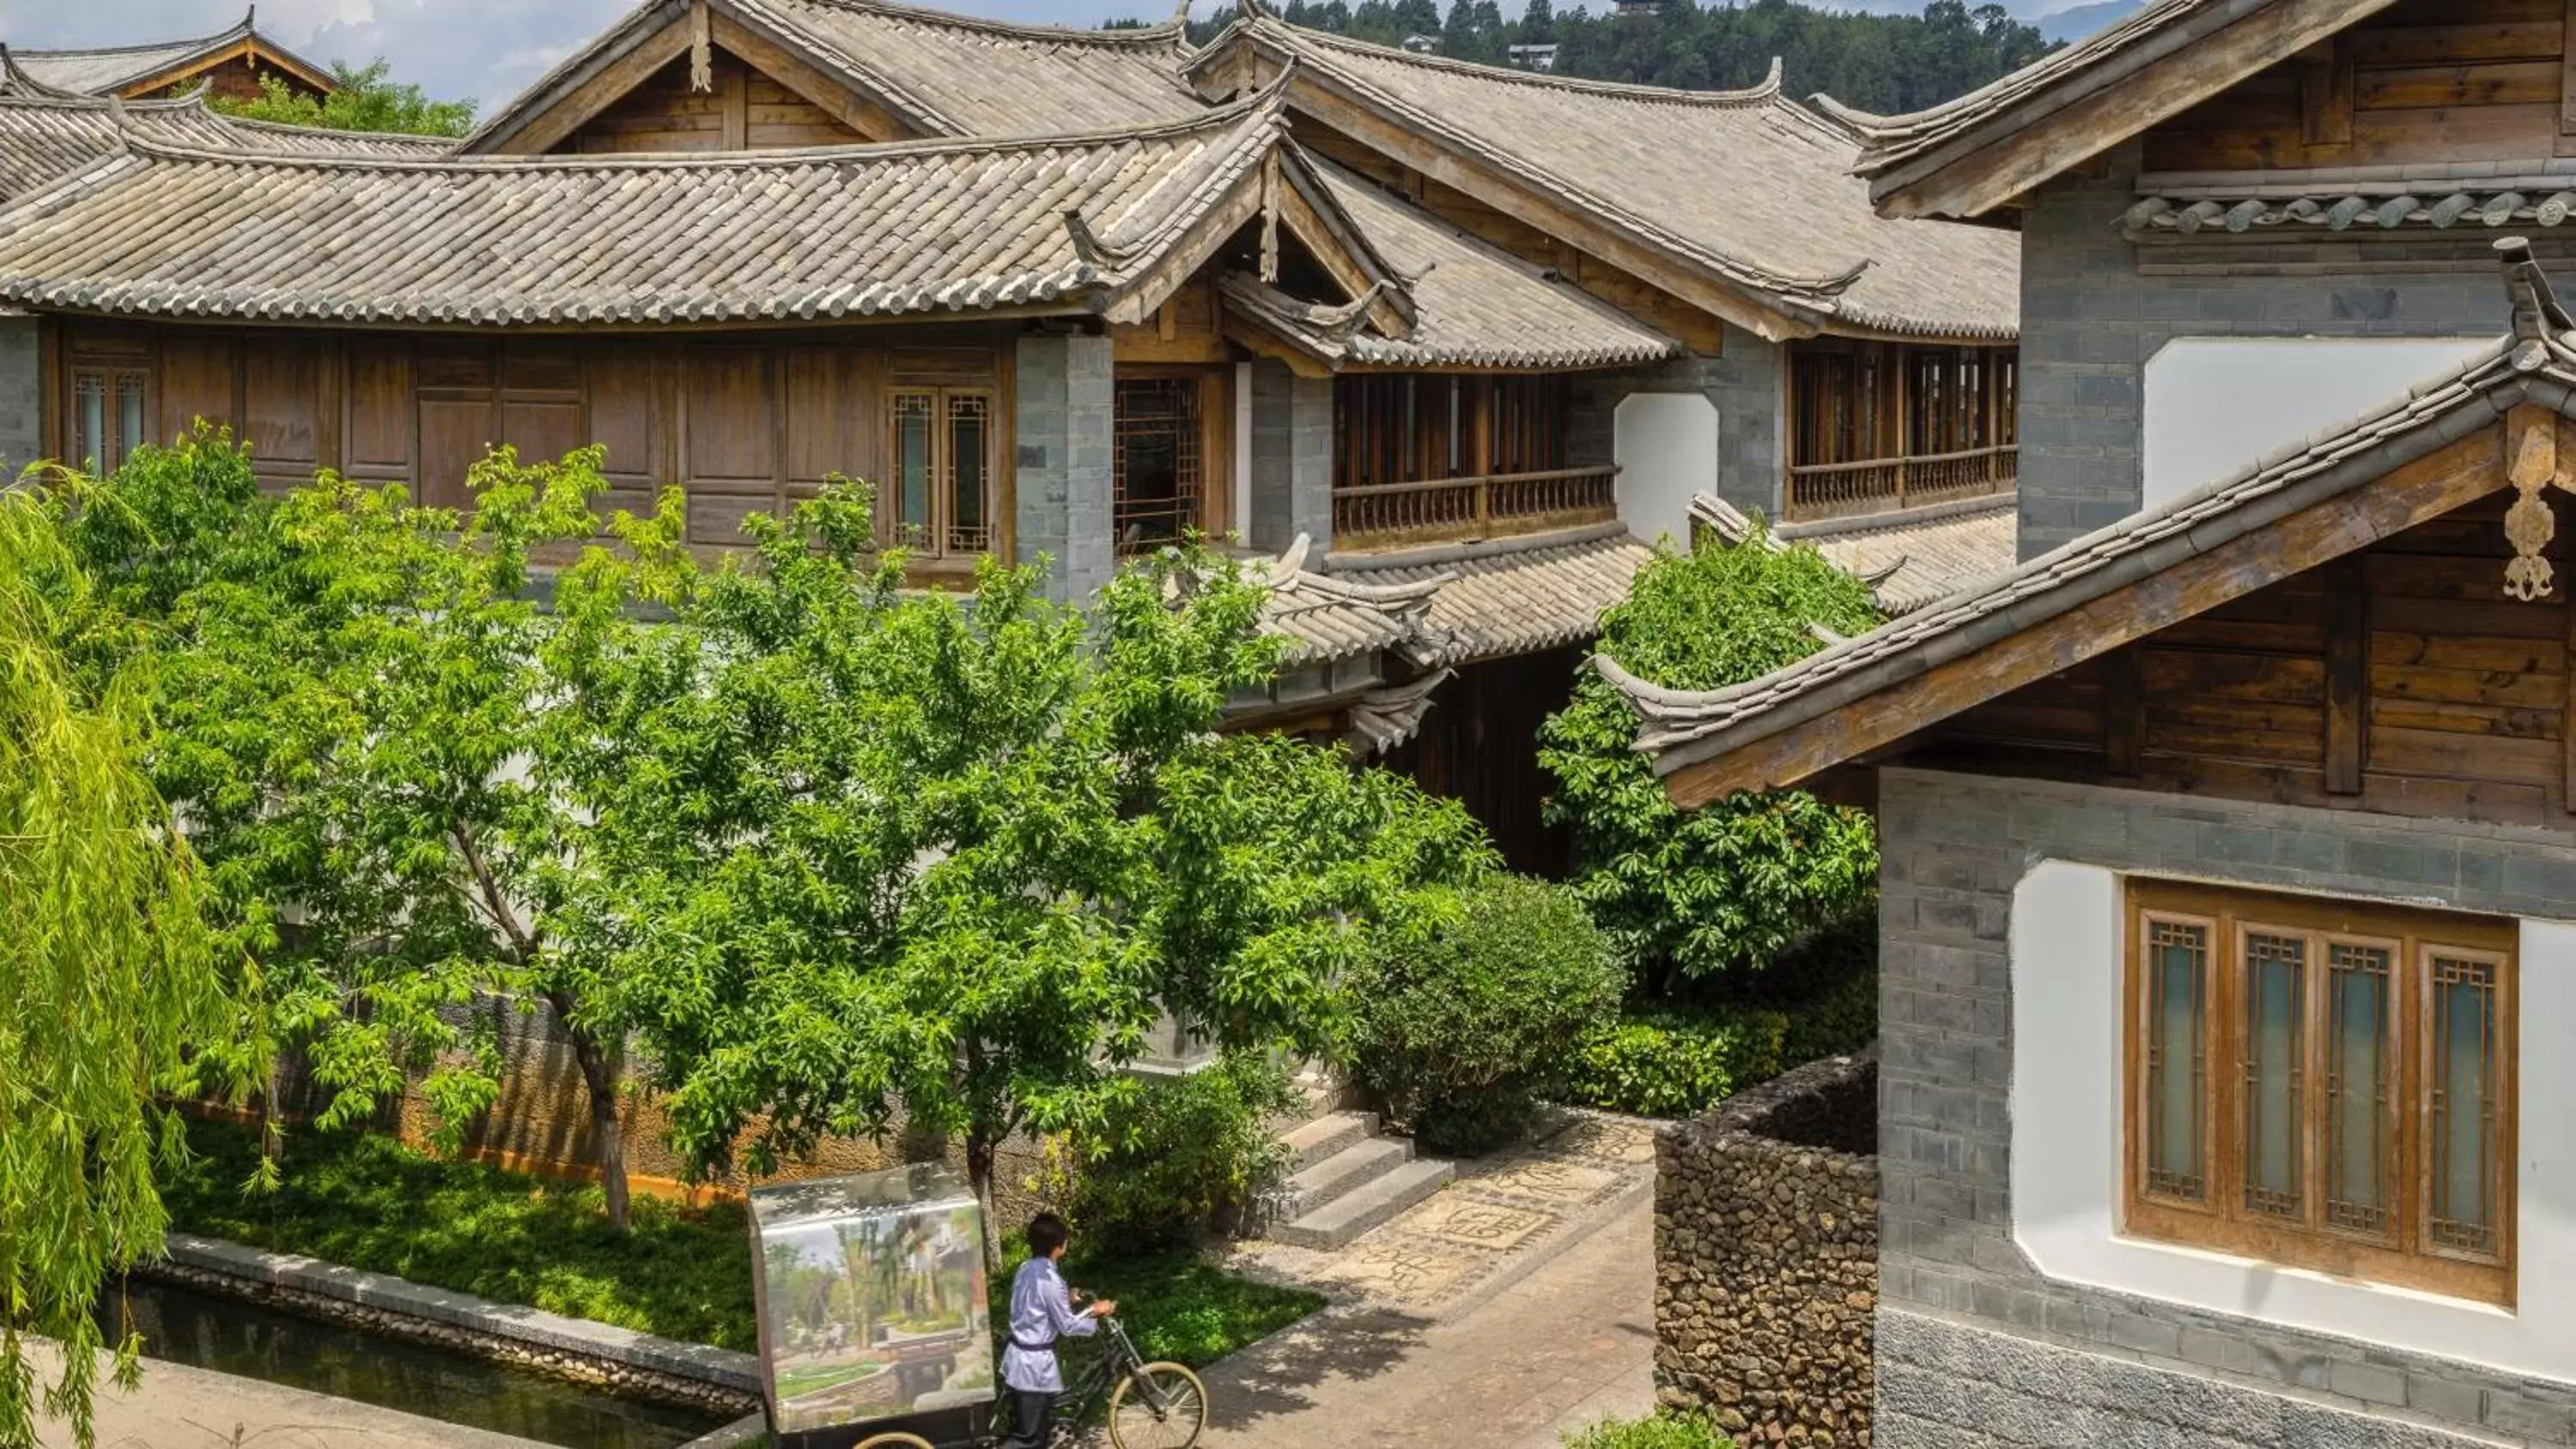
{"x": 2457, "y": 80}
{"x": 743, "y": 425}
{"x": 746, "y": 108}
{"x": 2462, "y": 696}
{"x": 196, "y": 381}
{"x": 281, "y": 390}
{"x": 377, "y": 433}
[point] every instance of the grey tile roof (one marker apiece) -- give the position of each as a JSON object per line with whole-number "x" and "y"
{"x": 912, "y": 227}
{"x": 44, "y": 139}
{"x": 1507, "y": 596}
{"x": 109, "y": 69}
{"x": 1475, "y": 305}
{"x": 941, "y": 74}
{"x": 2537, "y": 362}
{"x": 2361, "y": 199}
{"x": 1748, "y": 187}
{"x": 2054, "y": 81}
{"x": 1921, "y": 555}
{"x": 1326, "y": 617}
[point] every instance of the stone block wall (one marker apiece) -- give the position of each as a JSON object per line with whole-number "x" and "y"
{"x": 1766, "y": 1258}
{"x": 22, "y": 400}
{"x": 2091, "y": 318}
{"x": 1064, "y": 417}
{"x": 1976, "y": 1346}
{"x": 1292, "y": 460}
{"x": 1745, "y": 385}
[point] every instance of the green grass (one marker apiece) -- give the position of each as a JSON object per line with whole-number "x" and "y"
{"x": 1175, "y": 1305}
{"x": 366, "y": 1201}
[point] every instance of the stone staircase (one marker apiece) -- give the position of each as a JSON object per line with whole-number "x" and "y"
{"x": 1346, "y": 1177}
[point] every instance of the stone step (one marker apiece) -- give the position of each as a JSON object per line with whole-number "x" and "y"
{"x": 1339, "y": 1175}
{"x": 1333, "y": 1225}
{"x": 1311, "y": 1142}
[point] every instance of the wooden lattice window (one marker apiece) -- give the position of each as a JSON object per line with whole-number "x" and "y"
{"x": 940, "y": 500}
{"x": 1160, "y": 469}
{"x": 109, "y": 405}
{"x": 2322, "y": 1084}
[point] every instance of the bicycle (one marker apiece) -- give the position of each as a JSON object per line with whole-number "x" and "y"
{"x": 1160, "y": 1405}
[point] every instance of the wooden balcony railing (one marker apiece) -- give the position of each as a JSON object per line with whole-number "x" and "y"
{"x": 1383, "y": 515}
{"x": 1838, "y": 490}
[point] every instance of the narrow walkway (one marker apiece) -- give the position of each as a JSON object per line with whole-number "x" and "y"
{"x": 1561, "y": 1349}
{"x": 179, "y": 1407}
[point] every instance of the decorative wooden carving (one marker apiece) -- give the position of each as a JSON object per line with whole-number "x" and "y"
{"x": 702, "y": 53}
{"x": 2531, "y": 463}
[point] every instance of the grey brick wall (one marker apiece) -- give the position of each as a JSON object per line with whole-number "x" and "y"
{"x": 1952, "y": 850}
{"x": 1292, "y": 459}
{"x": 1744, "y": 385}
{"x": 22, "y": 400}
{"x": 1945, "y": 1385}
{"x": 1062, "y": 420}
{"x": 2090, "y": 321}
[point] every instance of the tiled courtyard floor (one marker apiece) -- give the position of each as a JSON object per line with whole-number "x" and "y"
{"x": 1566, "y": 1346}
{"x": 1503, "y": 1216}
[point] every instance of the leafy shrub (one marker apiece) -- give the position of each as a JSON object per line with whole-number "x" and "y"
{"x": 1461, "y": 1024}
{"x": 1178, "y": 1156}
{"x": 1728, "y": 887}
{"x": 1666, "y": 1429}
{"x": 1678, "y": 1060}
{"x": 1672, "y": 1064}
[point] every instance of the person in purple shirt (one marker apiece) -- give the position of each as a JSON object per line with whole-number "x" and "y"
{"x": 1041, "y": 1312}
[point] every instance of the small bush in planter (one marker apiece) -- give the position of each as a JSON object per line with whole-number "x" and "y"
{"x": 1462, "y": 1022}
{"x": 1664, "y": 1430}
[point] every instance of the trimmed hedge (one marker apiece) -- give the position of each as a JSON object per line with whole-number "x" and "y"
{"x": 1666, "y": 1429}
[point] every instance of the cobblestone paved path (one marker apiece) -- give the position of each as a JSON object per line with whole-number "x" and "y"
{"x": 1564, "y": 1347}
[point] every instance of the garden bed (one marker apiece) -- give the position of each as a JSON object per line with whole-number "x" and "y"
{"x": 367, "y": 1202}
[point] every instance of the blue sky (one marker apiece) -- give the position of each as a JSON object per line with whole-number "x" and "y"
{"x": 487, "y": 49}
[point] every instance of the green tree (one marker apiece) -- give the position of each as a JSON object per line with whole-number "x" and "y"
{"x": 363, "y": 98}
{"x": 897, "y": 855}
{"x": 1726, "y": 887}
{"x": 355, "y": 696}
{"x": 108, "y": 981}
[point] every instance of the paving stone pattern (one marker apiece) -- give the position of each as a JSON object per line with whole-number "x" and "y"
{"x": 1766, "y": 1258}
{"x": 1498, "y": 1219}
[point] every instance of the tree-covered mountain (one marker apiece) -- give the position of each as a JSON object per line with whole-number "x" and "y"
{"x": 1876, "y": 62}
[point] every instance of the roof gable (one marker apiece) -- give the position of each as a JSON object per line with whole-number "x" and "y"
{"x": 890, "y": 71}
{"x": 133, "y": 70}
{"x": 2494, "y": 423}
{"x": 1738, "y": 201}
{"x": 1967, "y": 157}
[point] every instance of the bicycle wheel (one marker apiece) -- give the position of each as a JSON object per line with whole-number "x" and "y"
{"x": 896, "y": 1441}
{"x": 1158, "y": 1406}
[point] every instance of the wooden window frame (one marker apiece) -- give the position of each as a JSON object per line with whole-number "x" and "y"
{"x": 934, "y": 539}
{"x": 114, "y": 372}
{"x": 2405, "y": 1254}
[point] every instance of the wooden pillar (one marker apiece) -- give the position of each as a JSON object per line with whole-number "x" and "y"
{"x": 2347, "y": 675}
{"x": 1904, "y": 418}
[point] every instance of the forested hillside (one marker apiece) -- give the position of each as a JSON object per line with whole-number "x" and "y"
{"x": 1876, "y": 62}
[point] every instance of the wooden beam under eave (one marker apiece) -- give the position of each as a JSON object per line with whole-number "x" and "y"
{"x": 2415, "y": 493}
{"x": 1976, "y": 180}
{"x": 1259, "y": 339}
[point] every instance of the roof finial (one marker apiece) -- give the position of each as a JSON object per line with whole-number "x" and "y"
{"x": 1250, "y": 9}
{"x": 1180, "y": 14}
{"x": 2537, "y": 315}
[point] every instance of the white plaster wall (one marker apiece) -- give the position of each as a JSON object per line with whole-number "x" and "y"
{"x": 2066, "y": 1135}
{"x": 1666, "y": 446}
{"x": 2215, "y": 404}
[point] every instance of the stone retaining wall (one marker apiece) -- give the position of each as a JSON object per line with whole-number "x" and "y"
{"x": 1766, "y": 1258}
{"x": 599, "y": 1354}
